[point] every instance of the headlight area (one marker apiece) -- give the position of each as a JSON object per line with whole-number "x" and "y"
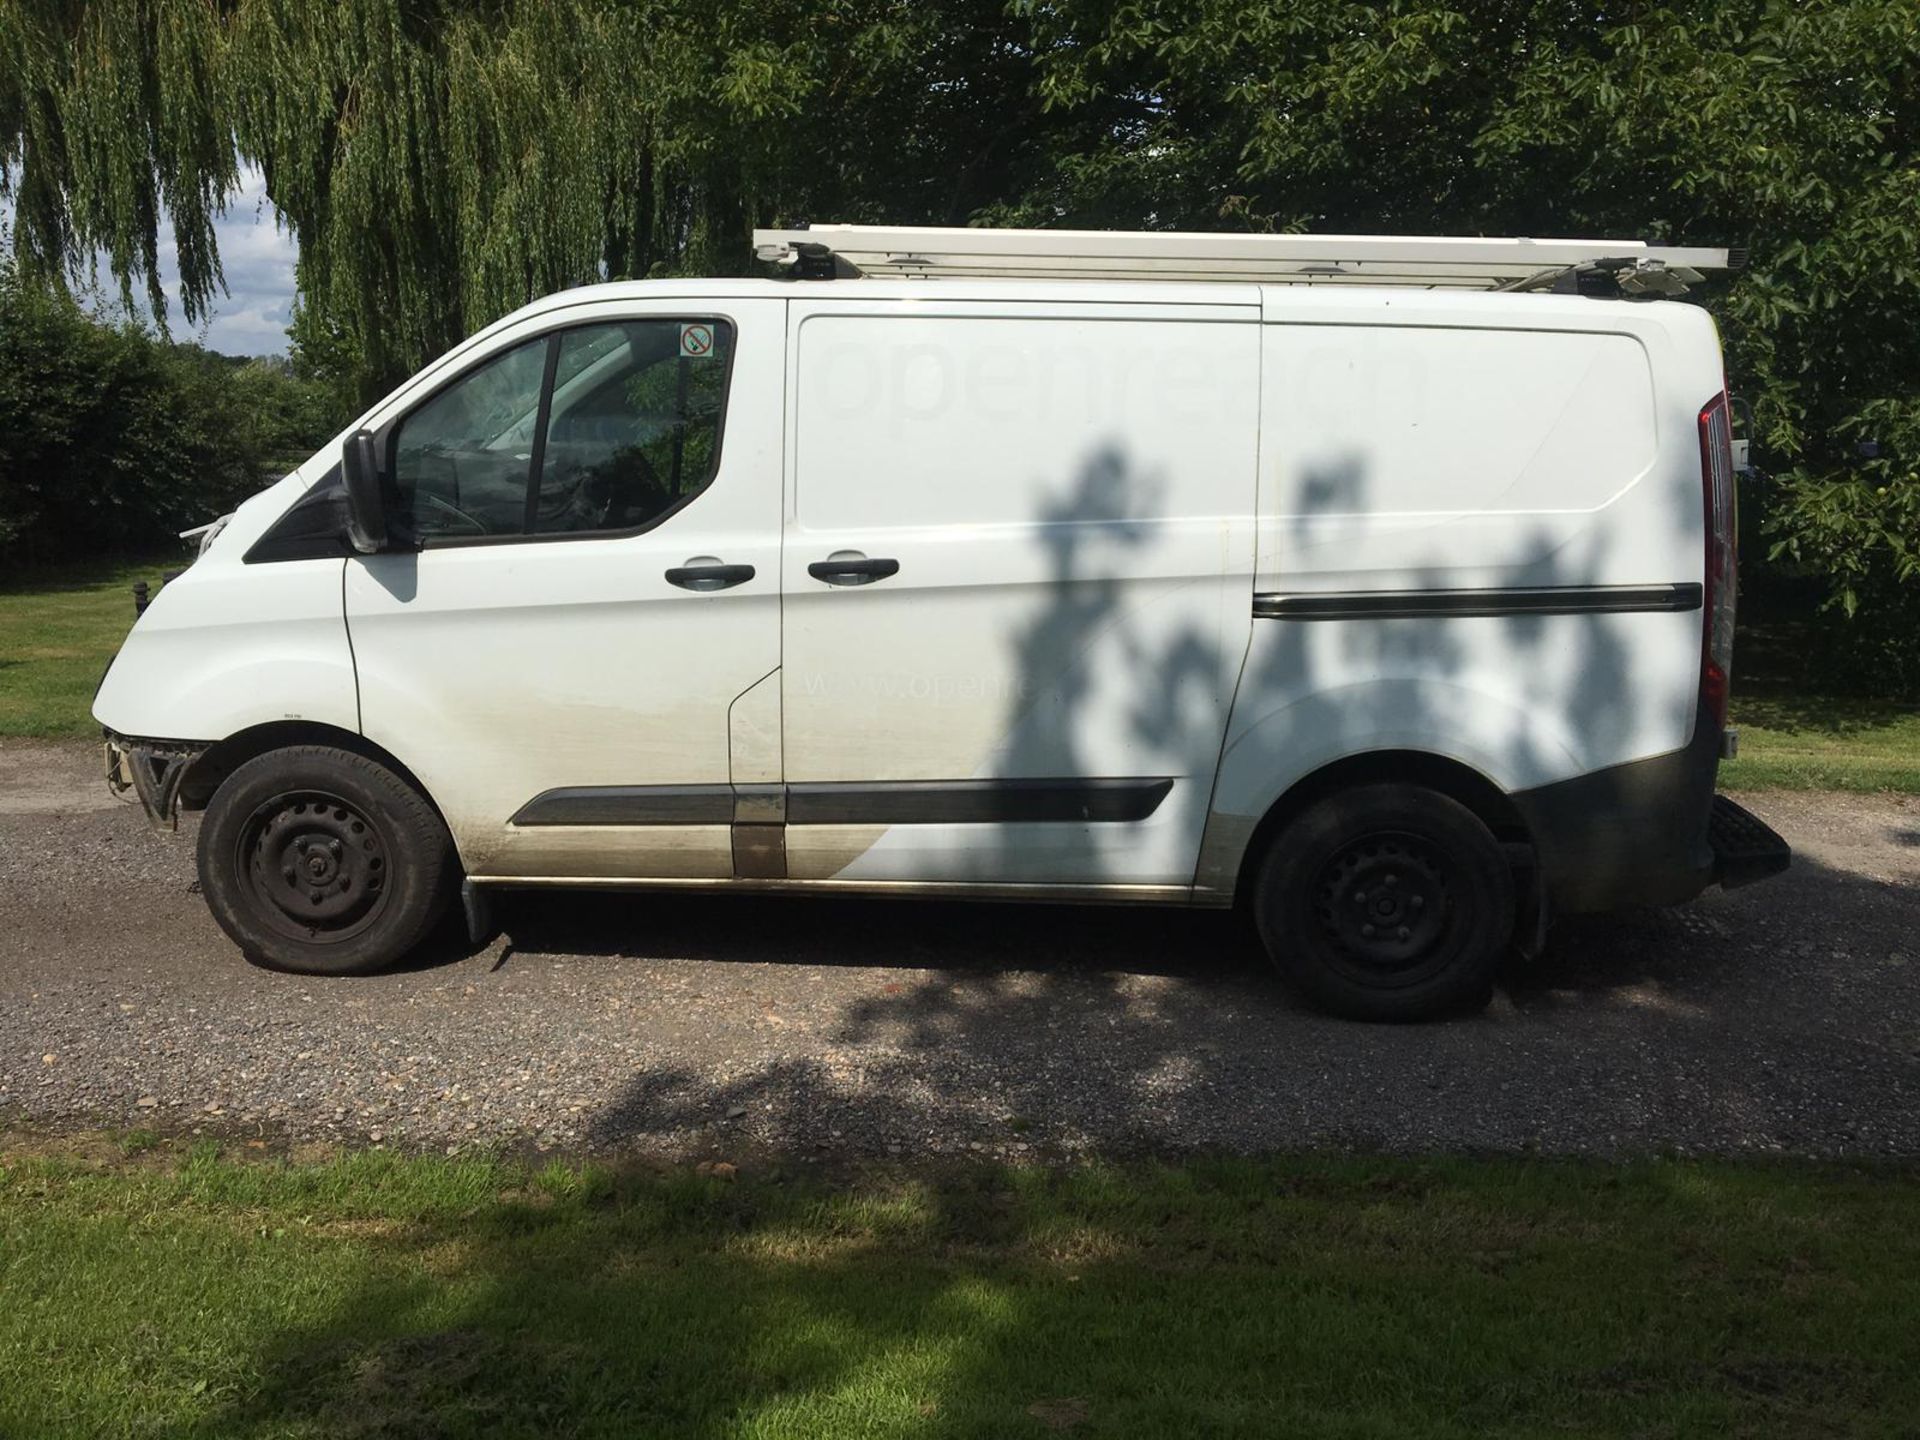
{"x": 154, "y": 771}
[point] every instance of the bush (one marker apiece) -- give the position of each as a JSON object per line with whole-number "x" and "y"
{"x": 113, "y": 439}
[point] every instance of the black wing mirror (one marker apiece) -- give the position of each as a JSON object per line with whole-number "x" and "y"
{"x": 366, "y": 510}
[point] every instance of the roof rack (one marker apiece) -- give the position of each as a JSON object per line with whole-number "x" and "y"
{"x": 1630, "y": 267}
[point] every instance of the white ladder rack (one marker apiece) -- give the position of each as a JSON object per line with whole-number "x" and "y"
{"x": 1422, "y": 261}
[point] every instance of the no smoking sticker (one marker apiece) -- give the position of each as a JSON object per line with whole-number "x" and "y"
{"x": 696, "y": 341}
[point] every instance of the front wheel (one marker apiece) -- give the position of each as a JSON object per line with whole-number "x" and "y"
{"x": 323, "y": 862}
{"x": 1387, "y": 902}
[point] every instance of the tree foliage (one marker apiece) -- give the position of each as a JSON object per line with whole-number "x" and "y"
{"x": 113, "y": 439}
{"x": 441, "y": 161}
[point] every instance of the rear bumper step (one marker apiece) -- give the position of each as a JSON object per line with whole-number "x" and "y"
{"x": 1745, "y": 847}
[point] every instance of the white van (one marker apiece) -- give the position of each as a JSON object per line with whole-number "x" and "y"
{"x": 1302, "y": 573}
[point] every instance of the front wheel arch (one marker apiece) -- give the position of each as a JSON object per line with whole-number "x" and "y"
{"x": 224, "y": 757}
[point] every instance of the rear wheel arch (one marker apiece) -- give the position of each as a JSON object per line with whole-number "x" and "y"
{"x": 1458, "y": 781}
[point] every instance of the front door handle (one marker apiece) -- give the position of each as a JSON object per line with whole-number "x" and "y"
{"x": 705, "y": 573}
{"x": 852, "y": 568}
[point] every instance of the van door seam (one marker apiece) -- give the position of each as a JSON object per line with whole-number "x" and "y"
{"x": 353, "y": 660}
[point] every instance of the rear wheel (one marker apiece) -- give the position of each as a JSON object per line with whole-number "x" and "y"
{"x": 323, "y": 862}
{"x": 1387, "y": 902}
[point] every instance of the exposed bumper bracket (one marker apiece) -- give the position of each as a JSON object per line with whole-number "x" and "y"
{"x": 154, "y": 771}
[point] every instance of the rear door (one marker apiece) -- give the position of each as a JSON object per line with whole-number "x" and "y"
{"x": 597, "y": 503}
{"x": 1017, "y": 580}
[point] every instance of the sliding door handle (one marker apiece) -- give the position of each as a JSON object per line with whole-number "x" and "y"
{"x": 703, "y": 573}
{"x": 849, "y": 567}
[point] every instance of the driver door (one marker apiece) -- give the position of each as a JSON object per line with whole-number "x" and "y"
{"x": 595, "y": 502}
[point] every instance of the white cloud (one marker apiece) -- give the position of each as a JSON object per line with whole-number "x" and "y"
{"x": 257, "y": 255}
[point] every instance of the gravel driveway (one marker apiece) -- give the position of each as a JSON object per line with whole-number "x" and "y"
{"x": 1782, "y": 1017}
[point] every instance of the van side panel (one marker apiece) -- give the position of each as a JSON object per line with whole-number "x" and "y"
{"x": 1038, "y": 695}
{"x": 1480, "y": 537}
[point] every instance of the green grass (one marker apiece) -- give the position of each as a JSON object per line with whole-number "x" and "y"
{"x": 374, "y": 1295}
{"x": 1807, "y": 742}
{"x": 58, "y": 630}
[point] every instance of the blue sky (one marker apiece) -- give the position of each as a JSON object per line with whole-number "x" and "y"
{"x": 257, "y": 255}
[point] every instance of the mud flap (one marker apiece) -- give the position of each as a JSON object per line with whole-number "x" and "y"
{"x": 477, "y": 906}
{"x": 1530, "y": 915}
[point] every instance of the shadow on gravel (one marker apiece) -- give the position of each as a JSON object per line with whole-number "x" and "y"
{"x": 1798, "y": 942}
{"x": 1700, "y": 949}
{"x": 903, "y": 934}
{"x": 1145, "y": 1031}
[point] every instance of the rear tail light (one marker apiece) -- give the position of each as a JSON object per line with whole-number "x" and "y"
{"x": 1716, "y": 478}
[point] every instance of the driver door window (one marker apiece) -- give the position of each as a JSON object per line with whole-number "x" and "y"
{"x": 594, "y": 430}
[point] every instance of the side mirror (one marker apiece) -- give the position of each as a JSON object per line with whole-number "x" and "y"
{"x": 366, "y": 509}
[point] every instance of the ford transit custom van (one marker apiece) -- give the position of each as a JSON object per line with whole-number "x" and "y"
{"x": 1384, "y": 587}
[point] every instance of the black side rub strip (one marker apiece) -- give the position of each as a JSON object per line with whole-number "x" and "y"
{"x": 897, "y": 802}
{"x": 630, "y": 805}
{"x": 960, "y": 802}
{"x": 1416, "y": 604}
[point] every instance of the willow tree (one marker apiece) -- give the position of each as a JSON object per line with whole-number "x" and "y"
{"x": 442, "y": 162}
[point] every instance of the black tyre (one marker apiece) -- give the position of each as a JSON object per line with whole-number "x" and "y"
{"x": 323, "y": 862}
{"x": 1387, "y": 902}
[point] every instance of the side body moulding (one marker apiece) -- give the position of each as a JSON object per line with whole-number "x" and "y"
{"x": 760, "y": 814}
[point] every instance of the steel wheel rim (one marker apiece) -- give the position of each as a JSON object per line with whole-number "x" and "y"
{"x": 1386, "y": 908}
{"x": 316, "y": 866}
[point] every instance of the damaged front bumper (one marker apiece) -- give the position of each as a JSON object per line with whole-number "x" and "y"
{"x": 153, "y": 770}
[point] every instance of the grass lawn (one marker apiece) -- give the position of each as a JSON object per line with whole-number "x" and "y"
{"x": 368, "y": 1295}
{"x": 58, "y": 630}
{"x": 1806, "y": 742}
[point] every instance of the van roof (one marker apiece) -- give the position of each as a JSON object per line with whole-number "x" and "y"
{"x": 1184, "y": 293}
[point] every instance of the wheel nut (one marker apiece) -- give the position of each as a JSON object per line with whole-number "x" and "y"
{"x": 1367, "y": 930}
{"x": 318, "y": 897}
{"x": 1393, "y": 879}
{"x": 333, "y": 848}
{"x": 288, "y": 872}
{"x": 1404, "y": 932}
{"x": 1419, "y": 902}
{"x": 1359, "y": 897}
